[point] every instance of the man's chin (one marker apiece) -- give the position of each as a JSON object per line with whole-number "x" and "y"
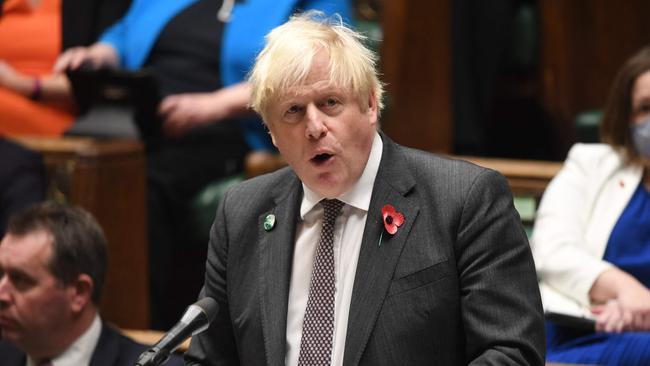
{"x": 328, "y": 189}
{"x": 10, "y": 335}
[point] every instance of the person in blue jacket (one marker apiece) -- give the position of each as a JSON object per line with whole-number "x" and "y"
{"x": 200, "y": 52}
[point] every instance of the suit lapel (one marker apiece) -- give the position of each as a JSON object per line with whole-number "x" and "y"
{"x": 276, "y": 254}
{"x": 11, "y": 356}
{"x": 107, "y": 349}
{"x": 377, "y": 263}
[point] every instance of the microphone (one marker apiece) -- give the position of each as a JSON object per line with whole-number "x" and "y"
{"x": 196, "y": 319}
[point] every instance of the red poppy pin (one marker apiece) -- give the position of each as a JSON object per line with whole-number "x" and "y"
{"x": 392, "y": 219}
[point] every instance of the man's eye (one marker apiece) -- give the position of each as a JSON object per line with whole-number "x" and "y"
{"x": 21, "y": 282}
{"x": 293, "y": 109}
{"x": 331, "y": 102}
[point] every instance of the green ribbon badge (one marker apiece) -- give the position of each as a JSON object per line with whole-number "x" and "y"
{"x": 269, "y": 222}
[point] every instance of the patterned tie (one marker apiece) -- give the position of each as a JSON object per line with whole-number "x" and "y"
{"x": 318, "y": 324}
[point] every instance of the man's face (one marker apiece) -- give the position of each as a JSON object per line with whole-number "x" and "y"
{"x": 323, "y": 131}
{"x": 34, "y": 306}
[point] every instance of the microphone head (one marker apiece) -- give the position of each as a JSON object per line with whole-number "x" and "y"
{"x": 196, "y": 319}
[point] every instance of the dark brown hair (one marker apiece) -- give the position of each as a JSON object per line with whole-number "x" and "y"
{"x": 79, "y": 245}
{"x": 615, "y": 128}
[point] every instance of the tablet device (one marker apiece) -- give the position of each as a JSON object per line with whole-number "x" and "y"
{"x": 571, "y": 321}
{"x": 115, "y": 103}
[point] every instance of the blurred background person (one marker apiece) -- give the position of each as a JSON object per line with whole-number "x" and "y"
{"x": 33, "y": 100}
{"x": 199, "y": 51}
{"x": 591, "y": 240}
{"x": 52, "y": 269}
{"x": 33, "y": 33}
{"x": 30, "y": 34}
{"x": 22, "y": 180}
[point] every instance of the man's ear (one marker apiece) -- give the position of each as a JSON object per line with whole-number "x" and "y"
{"x": 372, "y": 107}
{"x": 80, "y": 293}
{"x": 273, "y": 138}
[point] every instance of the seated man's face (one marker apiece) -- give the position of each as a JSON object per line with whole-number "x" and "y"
{"x": 323, "y": 131}
{"x": 34, "y": 306}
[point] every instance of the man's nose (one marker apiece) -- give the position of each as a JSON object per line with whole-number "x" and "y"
{"x": 315, "y": 122}
{"x": 5, "y": 296}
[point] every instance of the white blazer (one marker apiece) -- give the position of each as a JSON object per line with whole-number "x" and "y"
{"x": 575, "y": 218}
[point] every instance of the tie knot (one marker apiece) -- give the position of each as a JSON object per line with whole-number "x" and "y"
{"x": 332, "y": 208}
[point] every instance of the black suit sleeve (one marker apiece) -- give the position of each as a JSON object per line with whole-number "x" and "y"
{"x": 22, "y": 180}
{"x": 500, "y": 301}
{"x": 216, "y": 345}
{"x": 83, "y": 21}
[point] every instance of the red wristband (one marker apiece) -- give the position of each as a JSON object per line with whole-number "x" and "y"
{"x": 37, "y": 90}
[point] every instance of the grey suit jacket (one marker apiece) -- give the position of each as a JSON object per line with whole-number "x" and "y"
{"x": 455, "y": 285}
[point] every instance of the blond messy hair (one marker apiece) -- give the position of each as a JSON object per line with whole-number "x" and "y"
{"x": 290, "y": 49}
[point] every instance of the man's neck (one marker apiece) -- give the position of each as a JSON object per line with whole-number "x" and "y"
{"x": 66, "y": 336}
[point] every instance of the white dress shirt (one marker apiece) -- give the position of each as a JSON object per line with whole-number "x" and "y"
{"x": 348, "y": 233}
{"x": 80, "y": 351}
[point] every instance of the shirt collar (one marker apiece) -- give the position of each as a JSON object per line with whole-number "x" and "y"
{"x": 359, "y": 195}
{"x": 81, "y": 350}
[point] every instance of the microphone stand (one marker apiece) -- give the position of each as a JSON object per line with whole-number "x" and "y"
{"x": 153, "y": 357}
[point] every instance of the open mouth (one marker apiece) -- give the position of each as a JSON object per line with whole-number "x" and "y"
{"x": 6, "y": 322}
{"x": 321, "y": 158}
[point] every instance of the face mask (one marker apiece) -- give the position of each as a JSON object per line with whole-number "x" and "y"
{"x": 641, "y": 137}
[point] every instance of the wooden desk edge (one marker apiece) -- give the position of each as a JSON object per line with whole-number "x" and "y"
{"x": 150, "y": 337}
{"x": 83, "y": 146}
{"x": 516, "y": 168}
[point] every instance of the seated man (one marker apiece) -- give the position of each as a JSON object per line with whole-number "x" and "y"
{"x": 52, "y": 266}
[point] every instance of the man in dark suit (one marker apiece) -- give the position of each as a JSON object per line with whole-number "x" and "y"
{"x": 52, "y": 265}
{"x": 362, "y": 252}
{"x": 22, "y": 180}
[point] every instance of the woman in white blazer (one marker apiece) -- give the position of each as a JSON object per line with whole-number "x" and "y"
{"x": 591, "y": 239}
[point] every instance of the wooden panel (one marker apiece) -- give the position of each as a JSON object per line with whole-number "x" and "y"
{"x": 416, "y": 63}
{"x": 526, "y": 177}
{"x": 108, "y": 179}
{"x": 151, "y": 337}
{"x": 584, "y": 42}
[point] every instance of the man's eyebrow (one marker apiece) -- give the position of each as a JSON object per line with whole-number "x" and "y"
{"x": 330, "y": 89}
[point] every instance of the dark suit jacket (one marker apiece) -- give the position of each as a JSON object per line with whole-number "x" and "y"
{"x": 83, "y": 21}
{"x": 455, "y": 285}
{"x": 22, "y": 180}
{"x": 113, "y": 349}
